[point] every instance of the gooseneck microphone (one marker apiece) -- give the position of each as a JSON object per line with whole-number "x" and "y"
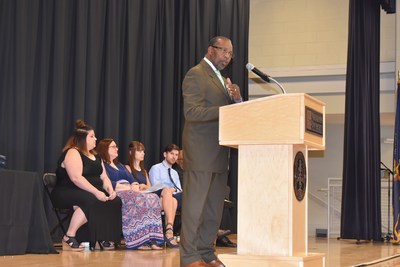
{"x": 264, "y": 76}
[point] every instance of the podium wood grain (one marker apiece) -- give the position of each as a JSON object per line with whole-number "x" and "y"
{"x": 272, "y": 223}
{"x": 278, "y": 119}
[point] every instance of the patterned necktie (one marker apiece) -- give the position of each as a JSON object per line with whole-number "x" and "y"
{"x": 170, "y": 178}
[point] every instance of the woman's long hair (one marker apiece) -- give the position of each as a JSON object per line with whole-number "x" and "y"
{"x": 133, "y": 147}
{"x": 78, "y": 138}
{"x": 102, "y": 150}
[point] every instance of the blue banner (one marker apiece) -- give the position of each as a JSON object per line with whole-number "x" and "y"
{"x": 396, "y": 175}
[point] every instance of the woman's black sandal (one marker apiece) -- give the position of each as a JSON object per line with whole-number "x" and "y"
{"x": 103, "y": 245}
{"x": 168, "y": 240}
{"x": 71, "y": 244}
{"x": 106, "y": 245}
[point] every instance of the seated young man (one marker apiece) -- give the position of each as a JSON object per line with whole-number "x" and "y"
{"x": 162, "y": 174}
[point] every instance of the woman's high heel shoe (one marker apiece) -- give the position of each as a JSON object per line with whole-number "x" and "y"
{"x": 106, "y": 245}
{"x": 168, "y": 240}
{"x": 103, "y": 245}
{"x": 71, "y": 244}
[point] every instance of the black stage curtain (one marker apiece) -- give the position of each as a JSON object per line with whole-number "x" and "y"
{"x": 116, "y": 64}
{"x": 361, "y": 212}
{"x": 389, "y": 6}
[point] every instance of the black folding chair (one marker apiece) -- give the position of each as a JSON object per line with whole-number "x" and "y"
{"x": 62, "y": 214}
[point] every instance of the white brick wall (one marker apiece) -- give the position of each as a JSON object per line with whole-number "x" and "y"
{"x": 303, "y": 44}
{"x": 285, "y": 33}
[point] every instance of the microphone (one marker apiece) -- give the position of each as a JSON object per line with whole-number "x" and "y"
{"x": 262, "y": 75}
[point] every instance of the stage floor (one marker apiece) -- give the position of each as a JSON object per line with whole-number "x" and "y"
{"x": 338, "y": 253}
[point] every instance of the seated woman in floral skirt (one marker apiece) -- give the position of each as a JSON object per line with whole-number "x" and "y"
{"x": 141, "y": 212}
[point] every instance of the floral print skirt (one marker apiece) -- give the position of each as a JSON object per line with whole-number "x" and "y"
{"x": 141, "y": 219}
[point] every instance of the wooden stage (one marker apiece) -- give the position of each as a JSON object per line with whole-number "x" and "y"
{"x": 338, "y": 253}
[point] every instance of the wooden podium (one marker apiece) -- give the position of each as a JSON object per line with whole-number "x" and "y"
{"x": 273, "y": 135}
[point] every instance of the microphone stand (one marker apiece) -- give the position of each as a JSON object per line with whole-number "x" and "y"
{"x": 276, "y": 82}
{"x": 388, "y": 236}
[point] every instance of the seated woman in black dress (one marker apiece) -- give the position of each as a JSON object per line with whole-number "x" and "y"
{"x": 82, "y": 183}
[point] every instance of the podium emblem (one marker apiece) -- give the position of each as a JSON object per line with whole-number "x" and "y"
{"x": 299, "y": 176}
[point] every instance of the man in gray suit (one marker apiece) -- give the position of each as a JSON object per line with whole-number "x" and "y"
{"x": 206, "y": 162}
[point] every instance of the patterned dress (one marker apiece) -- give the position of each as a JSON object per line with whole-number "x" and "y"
{"x": 141, "y": 212}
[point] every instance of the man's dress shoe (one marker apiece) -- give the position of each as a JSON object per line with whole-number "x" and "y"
{"x": 199, "y": 263}
{"x": 223, "y": 232}
{"x": 216, "y": 263}
{"x": 224, "y": 241}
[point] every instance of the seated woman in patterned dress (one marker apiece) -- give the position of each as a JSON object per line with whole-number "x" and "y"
{"x": 141, "y": 212}
{"x": 168, "y": 202}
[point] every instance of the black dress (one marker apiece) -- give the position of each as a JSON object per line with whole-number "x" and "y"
{"x": 104, "y": 218}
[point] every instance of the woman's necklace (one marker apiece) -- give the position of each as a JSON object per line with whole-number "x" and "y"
{"x": 112, "y": 164}
{"x": 137, "y": 167}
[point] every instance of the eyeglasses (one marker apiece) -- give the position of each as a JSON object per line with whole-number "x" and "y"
{"x": 225, "y": 51}
{"x": 116, "y": 147}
